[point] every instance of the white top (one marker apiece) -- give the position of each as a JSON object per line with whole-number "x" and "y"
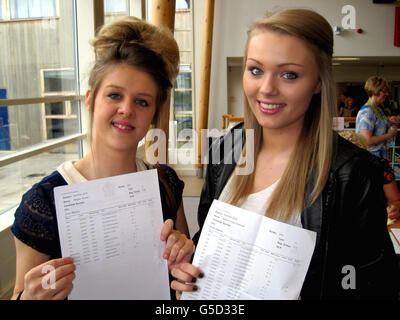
{"x": 72, "y": 175}
{"x": 257, "y": 202}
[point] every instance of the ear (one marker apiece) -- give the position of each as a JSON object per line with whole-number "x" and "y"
{"x": 87, "y": 99}
{"x": 318, "y": 87}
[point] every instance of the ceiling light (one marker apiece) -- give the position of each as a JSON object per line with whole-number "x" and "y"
{"x": 345, "y": 59}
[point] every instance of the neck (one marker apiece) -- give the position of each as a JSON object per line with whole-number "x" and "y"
{"x": 372, "y": 100}
{"x": 280, "y": 142}
{"x": 97, "y": 165}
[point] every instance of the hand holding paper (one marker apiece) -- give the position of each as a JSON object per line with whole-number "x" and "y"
{"x": 248, "y": 256}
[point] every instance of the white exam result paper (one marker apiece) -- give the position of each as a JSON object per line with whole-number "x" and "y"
{"x": 246, "y": 256}
{"x": 111, "y": 227}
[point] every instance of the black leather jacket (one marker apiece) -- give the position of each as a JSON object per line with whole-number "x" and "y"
{"x": 349, "y": 218}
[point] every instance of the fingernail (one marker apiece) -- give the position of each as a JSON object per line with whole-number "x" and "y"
{"x": 201, "y": 275}
{"x": 194, "y": 280}
{"x": 195, "y": 288}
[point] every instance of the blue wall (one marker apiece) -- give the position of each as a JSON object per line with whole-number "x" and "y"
{"x": 4, "y": 125}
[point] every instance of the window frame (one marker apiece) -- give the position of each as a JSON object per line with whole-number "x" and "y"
{"x": 7, "y": 17}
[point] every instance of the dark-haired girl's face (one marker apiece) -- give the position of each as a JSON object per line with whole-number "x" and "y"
{"x": 279, "y": 80}
{"x": 124, "y": 107}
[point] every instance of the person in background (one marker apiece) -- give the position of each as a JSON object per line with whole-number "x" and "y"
{"x": 372, "y": 122}
{"x": 135, "y": 67}
{"x": 304, "y": 173}
{"x": 390, "y": 187}
{"x": 349, "y": 110}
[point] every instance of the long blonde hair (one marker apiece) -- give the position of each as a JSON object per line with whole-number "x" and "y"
{"x": 314, "y": 147}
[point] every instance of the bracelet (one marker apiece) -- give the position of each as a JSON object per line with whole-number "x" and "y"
{"x": 19, "y": 295}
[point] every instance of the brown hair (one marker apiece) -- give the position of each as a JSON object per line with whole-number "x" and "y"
{"x": 374, "y": 85}
{"x": 138, "y": 44}
{"x": 314, "y": 147}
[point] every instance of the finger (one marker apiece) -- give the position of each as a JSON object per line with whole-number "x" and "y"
{"x": 186, "y": 251}
{"x": 192, "y": 270}
{"x": 166, "y": 229}
{"x": 65, "y": 271}
{"x": 176, "y": 248}
{"x": 178, "y": 295}
{"x": 62, "y": 294}
{"x": 185, "y": 287}
{"x": 172, "y": 238}
{"x": 182, "y": 276}
{"x": 50, "y": 265}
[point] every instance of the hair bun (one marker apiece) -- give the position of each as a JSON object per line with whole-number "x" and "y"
{"x": 131, "y": 31}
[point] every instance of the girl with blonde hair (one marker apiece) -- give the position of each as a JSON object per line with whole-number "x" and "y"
{"x": 135, "y": 67}
{"x": 304, "y": 173}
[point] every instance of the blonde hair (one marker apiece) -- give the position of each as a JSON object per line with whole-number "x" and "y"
{"x": 374, "y": 85}
{"x": 355, "y": 138}
{"x": 314, "y": 147}
{"x": 138, "y": 44}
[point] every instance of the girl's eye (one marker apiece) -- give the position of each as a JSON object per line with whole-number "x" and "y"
{"x": 142, "y": 102}
{"x": 256, "y": 71}
{"x": 290, "y": 75}
{"x": 114, "y": 96}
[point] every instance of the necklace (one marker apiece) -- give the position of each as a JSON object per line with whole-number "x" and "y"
{"x": 369, "y": 102}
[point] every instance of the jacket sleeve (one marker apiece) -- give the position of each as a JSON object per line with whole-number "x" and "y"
{"x": 362, "y": 261}
{"x": 206, "y": 198}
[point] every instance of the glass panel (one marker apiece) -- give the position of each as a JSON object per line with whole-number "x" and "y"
{"x": 114, "y": 6}
{"x": 17, "y": 178}
{"x": 38, "y": 61}
{"x": 184, "y": 81}
{"x": 33, "y": 47}
{"x": 183, "y": 100}
{"x": 114, "y": 9}
{"x": 22, "y": 9}
{"x": 182, "y": 4}
{"x": 59, "y": 81}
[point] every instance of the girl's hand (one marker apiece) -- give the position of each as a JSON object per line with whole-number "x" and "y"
{"x": 51, "y": 280}
{"x": 393, "y": 211}
{"x": 178, "y": 248}
{"x": 186, "y": 276}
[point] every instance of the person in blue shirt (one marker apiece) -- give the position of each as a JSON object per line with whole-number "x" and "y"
{"x": 372, "y": 122}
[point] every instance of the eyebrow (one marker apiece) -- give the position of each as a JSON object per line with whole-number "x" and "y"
{"x": 279, "y": 65}
{"x": 112, "y": 86}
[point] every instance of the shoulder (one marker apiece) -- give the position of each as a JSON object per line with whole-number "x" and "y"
{"x": 350, "y": 159}
{"x": 227, "y": 145}
{"x": 35, "y": 221}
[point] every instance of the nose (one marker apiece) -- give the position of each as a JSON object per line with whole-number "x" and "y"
{"x": 269, "y": 85}
{"x": 126, "y": 108}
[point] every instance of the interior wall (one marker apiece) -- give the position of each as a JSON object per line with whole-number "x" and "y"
{"x": 233, "y": 17}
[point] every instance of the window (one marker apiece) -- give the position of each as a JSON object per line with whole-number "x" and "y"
{"x": 25, "y": 9}
{"x": 116, "y": 6}
{"x": 40, "y": 114}
{"x": 59, "y": 118}
{"x": 182, "y": 4}
{"x": 183, "y": 113}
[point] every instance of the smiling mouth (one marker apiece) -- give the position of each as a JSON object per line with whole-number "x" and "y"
{"x": 122, "y": 127}
{"x": 271, "y": 106}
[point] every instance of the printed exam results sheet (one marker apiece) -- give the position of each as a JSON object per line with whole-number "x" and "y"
{"x": 111, "y": 227}
{"x": 245, "y": 255}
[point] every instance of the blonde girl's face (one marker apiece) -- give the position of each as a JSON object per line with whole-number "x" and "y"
{"x": 279, "y": 80}
{"x": 124, "y": 107}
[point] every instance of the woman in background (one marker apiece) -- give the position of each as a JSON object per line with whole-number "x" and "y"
{"x": 136, "y": 64}
{"x": 305, "y": 174}
{"x": 372, "y": 122}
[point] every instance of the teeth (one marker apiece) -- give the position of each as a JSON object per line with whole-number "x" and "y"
{"x": 270, "y": 106}
{"x": 122, "y": 127}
